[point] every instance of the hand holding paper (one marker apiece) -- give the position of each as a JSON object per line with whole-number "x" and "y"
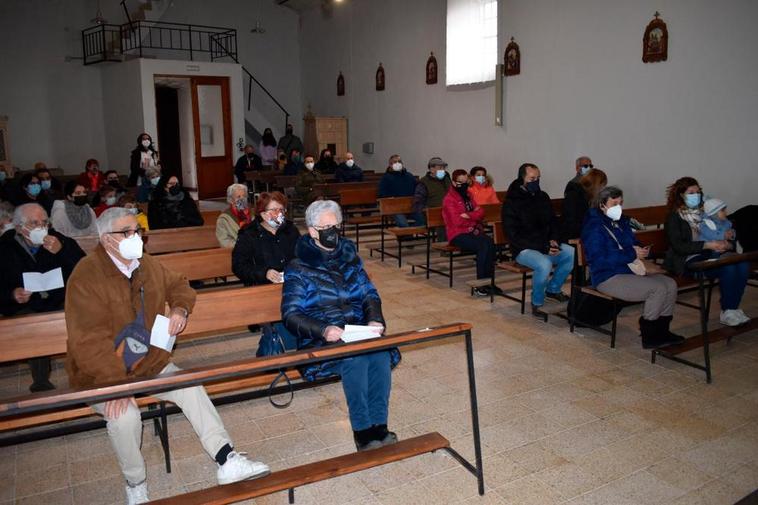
{"x": 356, "y": 333}
{"x": 48, "y": 281}
{"x": 159, "y": 336}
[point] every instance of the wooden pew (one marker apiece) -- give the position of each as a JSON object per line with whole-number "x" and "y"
{"x": 191, "y": 238}
{"x": 240, "y": 369}
{"x": 359, "y": 201}
{"x": 655, "y": 215}
{"x": 388, "y": 207}
{"x": 200, "y": 265}
{"x": 210, "y": 217}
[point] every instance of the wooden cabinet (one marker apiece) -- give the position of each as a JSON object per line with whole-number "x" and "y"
{"x": 323, "y": 132}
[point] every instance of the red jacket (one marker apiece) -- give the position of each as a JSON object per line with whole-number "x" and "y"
{"x": 93, "y": 182}
{"x": 452, "y": 208}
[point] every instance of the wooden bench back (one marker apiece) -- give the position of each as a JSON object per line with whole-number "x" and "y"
{"x": 434, "y": 217}
{"x": 654, "y": 215}
{"x": 285, "y": 181}
{"x": 498, "y": 234}
{"x": 355, "y": 197}
{"x": 557, "y": 204}
{"x": 331, "y": 189}
{"x": 210, "y": 216}
{"x": 492, "y": 212}
{"x": 395, "y": 205}
{"x": 501, "y": 195}
{"x": 656, "y": 239}
{"x": 215, "y": 313}
{"x": 191, "y": 238}
{"x": 199, "y": 265}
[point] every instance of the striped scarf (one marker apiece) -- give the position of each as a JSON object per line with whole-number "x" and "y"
{"x": 693, "y": 217}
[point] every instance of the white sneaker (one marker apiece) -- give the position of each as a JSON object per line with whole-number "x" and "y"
{"x": 238, "y": 467}
{"x": 136, "y": 494}
{"x": 745, "y": 318}
{"x": 730, "y": 318}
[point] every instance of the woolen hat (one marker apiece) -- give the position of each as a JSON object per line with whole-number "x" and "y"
{"x": 436, "y": 162}
{"x": 713, "y": 205}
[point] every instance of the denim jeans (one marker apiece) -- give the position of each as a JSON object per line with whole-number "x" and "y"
{"x": 401, "y": 220}
{"x": 366, "y": 381}
{"x": 732, "y": 280}
{"x": 484, "y": 248}
{"x": 542, "y": 264}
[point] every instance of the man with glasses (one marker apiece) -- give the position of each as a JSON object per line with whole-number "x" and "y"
{"x": 31, "y": 246}
{"x": 114, "y": 296}
{"x": 583, "y": 166}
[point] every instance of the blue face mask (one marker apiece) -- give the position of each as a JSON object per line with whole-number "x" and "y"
{"x": 480, "y": 179}
{"x": 533, "y": 187}
{"x": 440, "y": 174}
{"x": 46, "y": 184}
{"x": 33, "y": 189}
{"x": 692, "y": 200}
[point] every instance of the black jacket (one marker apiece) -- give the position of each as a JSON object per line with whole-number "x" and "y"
{"x": 575, "y": 206}
{"x": 135, "y": 170}
{"x": 257, "y": 251}
{"x": 164, "y": 213}
{"x": 244, "y": 163}
{"x": 348, "y": 174}
{"x": 528, "y": 220}
{"x": 20, "y": 197}
{"x": 17, "y": 260}
{"x": 681, "y": 245}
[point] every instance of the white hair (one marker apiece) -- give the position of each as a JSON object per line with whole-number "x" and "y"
{"x": 234, "y": 187}
{"x": 19, "y": 215}
{"x": 314, "y": 211}
{"x": 106, "y": 219}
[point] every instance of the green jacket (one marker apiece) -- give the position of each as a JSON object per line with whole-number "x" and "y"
{"x": 430, "y": 192}
{"x": 306, "y": 179}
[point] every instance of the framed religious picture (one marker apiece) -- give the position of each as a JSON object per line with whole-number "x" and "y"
{"x": 512, "y": 59}
{"x": 655, "y": 42}
{"x": 431, "y": 70}
{"x": 340, "y": 85}
{"x": 380, "y": 78}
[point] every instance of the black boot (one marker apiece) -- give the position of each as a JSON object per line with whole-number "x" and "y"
{"x": 655, "y": 334}
{"x": 666, "y": 324}
{"x": 40, "y": 368}
{"x": 366, "y": 439}
{"x": 385, "y": 436}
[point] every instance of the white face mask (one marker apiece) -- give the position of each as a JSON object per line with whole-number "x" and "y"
{"x": 131, "y": 248}
{"x": 155, "y": 180}
{"x": 146, "y": 143}
{"x": 37, "y": 235}
{"x": 310, "y": 165}
{"x": 350, "y": 163}
{"x": 614, "y": 212}
{"x": 397, "y": 166}
{"x": 584, "y": 170}
{"x": 110, "y": 201}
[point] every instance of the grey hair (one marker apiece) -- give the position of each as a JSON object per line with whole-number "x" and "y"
{"x": 152, "y": 172}
{"x": 606, "y": 194}
{"x": 580, "y": 158}
{"x": 6, "y": 211}
{"x": 314, "y": 211}
{"x": 19, "y": 215}
{"x": 105, "y": 221}
{"x": 232, "y": 188}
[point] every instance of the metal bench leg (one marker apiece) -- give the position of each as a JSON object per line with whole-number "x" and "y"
{"x": 451, "y": 270}
{"x": 704, "y": 328}
{"x": 474, "y": 412}
{"x": 291, "y": 495}
{"x": 164, "y": 437}
{"x": 156, "y": 422}
{"x": 523, "y": 292}
{"x": 399, "y": 253}
{"x": 357, "y": 237}
{"x": 613, "y": 326}
{"x": 428, "y": 252}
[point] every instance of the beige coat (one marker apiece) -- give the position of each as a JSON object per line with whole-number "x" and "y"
{"x": 227, "y": 229}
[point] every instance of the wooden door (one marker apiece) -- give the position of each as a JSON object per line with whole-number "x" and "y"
{"x": 212, "y": 122}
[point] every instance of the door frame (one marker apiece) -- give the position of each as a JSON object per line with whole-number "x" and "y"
{"x": 227, "y": 158}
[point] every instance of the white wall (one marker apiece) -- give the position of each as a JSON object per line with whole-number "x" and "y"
{"x": 583, "y": 89}
{"x": 123, "y": 116}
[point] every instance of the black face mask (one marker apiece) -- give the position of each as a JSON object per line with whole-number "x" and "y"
{"x": 462, "y": 189}
{"x": 329, "y": 237}
{"x": 175, "y": 190}
{"x": 80, "y": 200}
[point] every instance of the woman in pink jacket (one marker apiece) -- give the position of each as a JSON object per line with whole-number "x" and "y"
{"x": 463, "y": 224}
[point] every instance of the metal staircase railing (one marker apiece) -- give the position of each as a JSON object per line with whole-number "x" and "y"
{"x": 110, "y": 42}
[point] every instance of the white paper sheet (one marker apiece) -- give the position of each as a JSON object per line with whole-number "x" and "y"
{"x": 159, "y": 336}
{"x": 36, "y": 282}
{"x": 355, "y": 333}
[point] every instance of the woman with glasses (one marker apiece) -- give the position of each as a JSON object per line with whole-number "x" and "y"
{"x": 265, "y": 247}
{"x": 326, "y": 288}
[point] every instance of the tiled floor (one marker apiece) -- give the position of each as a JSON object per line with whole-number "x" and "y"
{"x": 564, "y": 418}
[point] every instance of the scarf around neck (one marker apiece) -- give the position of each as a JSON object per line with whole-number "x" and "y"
{"x": 693, "y": 217}
{"x": 79, "y": 215}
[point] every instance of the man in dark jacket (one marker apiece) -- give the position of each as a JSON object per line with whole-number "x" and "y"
{"x": 397, "y": 181}
{"x": 431, "y": 190}
{"x": 32, "y": 247}
{"x": 248, "y": 161}
{"x": 532, "y": 230}
{"x": 326, "y": 288}
{"x": 583, "y": 166}
{"x": 290, "y": 142}
{"x": 348, "y": 170}
{"x": 295, "y": 164}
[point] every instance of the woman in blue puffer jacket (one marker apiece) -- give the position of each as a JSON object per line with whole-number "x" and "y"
{"x": 612, "y": 252}
{"x": 325, "y": 288}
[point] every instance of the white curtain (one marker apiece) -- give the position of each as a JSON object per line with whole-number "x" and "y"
{"x": 471, "y": 41}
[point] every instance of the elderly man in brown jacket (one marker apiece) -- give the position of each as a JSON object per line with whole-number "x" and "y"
{"x": 112, "y": 300}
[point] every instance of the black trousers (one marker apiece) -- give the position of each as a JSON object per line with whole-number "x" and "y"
{"x": 484, "y": 248}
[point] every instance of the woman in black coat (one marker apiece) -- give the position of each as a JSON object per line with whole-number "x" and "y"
{"x": 171, "y": 206}
{"x": 266, "y": 245}
{"x": 143, "y": 156}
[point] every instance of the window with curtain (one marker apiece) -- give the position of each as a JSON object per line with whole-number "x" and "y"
{"x": 471, "y": 41}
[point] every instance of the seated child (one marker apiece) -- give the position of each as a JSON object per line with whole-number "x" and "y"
{"x": 715, "y": 225}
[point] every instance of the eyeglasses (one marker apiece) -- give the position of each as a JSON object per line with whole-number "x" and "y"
{"x": 38, "y": 224}
{"x": 276, "y": 211}
{"x": 129, "y": 233}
